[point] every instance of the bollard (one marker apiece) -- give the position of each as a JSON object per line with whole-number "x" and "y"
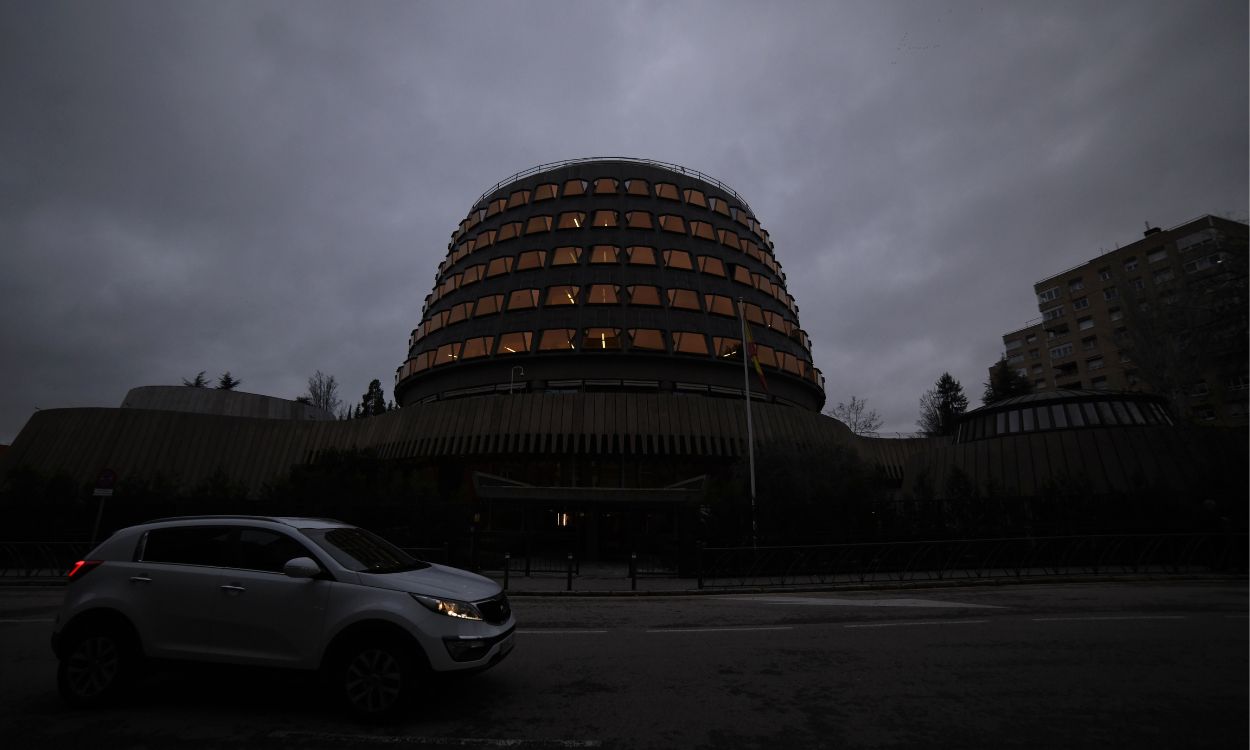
{"x": 633, "y": 571}
{"x": 507, "y": 566}
{"x": 699, "y": 563}
{"x": 570, "y": 573}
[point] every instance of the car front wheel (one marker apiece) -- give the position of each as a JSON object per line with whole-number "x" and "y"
{"x": 376, "y": 679}
{"x": 96, "y": 666}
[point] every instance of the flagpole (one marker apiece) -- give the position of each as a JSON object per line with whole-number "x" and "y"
{"x": 746, "y": 388}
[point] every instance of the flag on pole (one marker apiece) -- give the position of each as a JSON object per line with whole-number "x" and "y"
{"x": 753, "y": 352}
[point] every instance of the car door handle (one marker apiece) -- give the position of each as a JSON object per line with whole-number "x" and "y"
{"x": 140, "y": 579}
{"x": 233, "y": 589}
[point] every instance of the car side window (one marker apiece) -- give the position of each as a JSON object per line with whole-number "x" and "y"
{"x": 261, "y": 549}
{"x": 190, "y": 545}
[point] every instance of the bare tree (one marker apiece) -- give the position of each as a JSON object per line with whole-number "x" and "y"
{"x": 857, "y": 416}
{"x": 323, "y": 392}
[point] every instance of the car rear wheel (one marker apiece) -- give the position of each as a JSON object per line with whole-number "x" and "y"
{"x": 376, "y": 679}
{"x": 95, "y": 668}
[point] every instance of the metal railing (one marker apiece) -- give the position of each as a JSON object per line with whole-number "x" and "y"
{"x": 972, "y": 559}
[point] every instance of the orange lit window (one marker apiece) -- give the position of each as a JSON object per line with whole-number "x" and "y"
{"x": 679, "y": 259}
{"x": 688, "y": 342}
{"x": 637, "y": 187}
{"x": 603, "y": 294}
{"x": 461, "y": 251}
{"x": 531, "y": 259}
{"x": 667, "y": 191}
{"x": 459, "y": 313}
{"x": 644, "y": 295}
{"x": 566, "y": 256}
{"x": 516, "y": 342}
{"x": 523, "y": 299}
{"x": 753, "y": 250}
{"x": 509, "y": 231}
{"x": 638, "y": 220}
{"x": 792, "y": 364}
{"x": 556, "y": 339}
{"x": 446, "y": 354}
{"x": 719, "y": 305}
{"x": 469, "y": 245}
{"x": 754, "y": 314}
{"x": 496, "y": 206}
{"x": 545, "y": 192}
{"x": 464, "y": 227}
{"x": 571, "y": 220}
{"x": 641, "y": 255}
{"x": 538, "y": 224}
{"x": 605, "y": 186}
{"x": 421, "y": 361}
{"x": 436, "y": 321}
{"x": 484, "y": 239}
{"x": 683, "y": 299}
{"x": 727, "y": 348}
{"x": 646, "y": 338}
{"x": 518, "y": 198}
{"x": 672, "y": 223}
{"x": 450, "y": 284}
{"x": 488, "y": 305}
{"x": 601, "y": 339}
{"x": 729, "y": 239}
{"x": 604, "y": 253}
{"x": 499, "y": 266}
{"x": 562, "y": 295}
{"x": 775, "y": 321}
{"x": 702, "y": 229}
{"x": 478, "y": 347}
{"x": 742, "y": 217}
{"x": 574, "y": 187}
{"x": 604, "y": 218}
{"x": 767, "y": 355}
{"x": 695, "y": 197}
{"x": 718, "y": 205}
{"x": 710, "y": 265}
{"x": 742, "y": 275}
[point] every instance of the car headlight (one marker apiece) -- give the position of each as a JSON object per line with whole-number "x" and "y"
{"x": 449, "y": 607}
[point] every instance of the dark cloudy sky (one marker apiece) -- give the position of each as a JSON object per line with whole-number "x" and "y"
{"x": 267, "y": 187}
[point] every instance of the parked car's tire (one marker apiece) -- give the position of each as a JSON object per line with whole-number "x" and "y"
{"x": 97, "y": 665}
{"x": 375, "y": 679}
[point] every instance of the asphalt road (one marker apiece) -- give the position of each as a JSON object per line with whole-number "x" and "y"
{"x": 1143, "y": 665}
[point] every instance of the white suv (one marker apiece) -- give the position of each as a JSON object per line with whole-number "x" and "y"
{"x": 302, "y": 593}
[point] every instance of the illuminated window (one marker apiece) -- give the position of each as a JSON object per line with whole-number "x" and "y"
{"x": 702, "y": 229}
{"x": 469, "y": 246}
{"x": 646, "y": 338}
{"x": 601, "y": 339}
{"x": 556, "y": 339}
{"x": 537, "y": 224}
{"x": 496, "y": 206}
{"x": 742, "y": 275}
{"x": 638, "y": 220}
{"x": 719, "y": 305}
{"x": 516, "y": 342}
{"x": 753, "y": 250}
{"x": 667, "y": 191}
{"x": 478, "y": 347}
{"x": 766, "y": 354}
{"x": 689, "y": 342}
{"x": 604, "y": 254}
{"x": 763, "y": 283}
{"x": 605, "y": 186}
{"x": 499, "y": 266}
{"x": 679, "y": 259}
{"x": 641, "y": 255}
{"x": 460, "y": 253}
{"x": 729, "y": 239}
{"x": 683, "y": 299}
{"x": 436, "y": 321}
{"x": 450, "y": 284}
{"x": 603, "y": 294}
{"x": 742, "y": 217}
{"x": 792, "y": 364}
{"x": 695, "y": 197}
{"x": 484, "y": 239}
{"x": 726, "y": 348}
{"x": 776, "y": 322}
{"x": 422, "y": 361}
{"x": 509, "y": 231}
{"x": 574, "y": 187}
{"x": 518, "y": 198}
{"x": 488, "y": 305}
{"x": 562, "y": 295}
{"x": 571, "y": 220}
{"x": 545, "y": 192}
{"x": 644, "y": 295}
{"x": 459, "y": 313}
{"x": 566, "y": 256}
{"x": 446, "y": 354}
{"x": 637, "y": 187}
{"x": 754, "y": 314}
{"x": 604, "y": 218}
{"x": 710, "y": 265}
{"x": 531, "y": 259}
{"x": 523, "y": 299}
{"x": 672, "y": 223}
{"x": 718, "y": 205}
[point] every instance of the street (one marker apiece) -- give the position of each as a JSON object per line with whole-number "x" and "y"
{"x": 1056, "y": 665}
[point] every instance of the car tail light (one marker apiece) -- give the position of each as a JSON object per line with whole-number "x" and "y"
{"x": 82, "y": 568}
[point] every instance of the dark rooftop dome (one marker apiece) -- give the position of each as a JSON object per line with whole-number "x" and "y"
{"x": 1063, "y": 410}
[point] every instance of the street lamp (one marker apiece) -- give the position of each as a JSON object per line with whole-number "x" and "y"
{"x": 512, "y": 376}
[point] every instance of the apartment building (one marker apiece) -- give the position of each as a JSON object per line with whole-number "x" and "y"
{"x": 1165, "y": 314}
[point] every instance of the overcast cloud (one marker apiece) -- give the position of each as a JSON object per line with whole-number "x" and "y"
{"x": 268, "y": 187}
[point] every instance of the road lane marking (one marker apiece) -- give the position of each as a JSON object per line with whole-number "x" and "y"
{"x": 1099, "y": 618}
{"x": 10, "y": 622}
{"x": 839, "y": 602}
{"x": 561, "y": 632}
{"x": 914, "y": 624}
{"x": 418, "y": 741}
{"x": 718, "y": 630}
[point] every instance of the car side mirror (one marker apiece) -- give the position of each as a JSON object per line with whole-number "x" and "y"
{"x": 301, "y": 567}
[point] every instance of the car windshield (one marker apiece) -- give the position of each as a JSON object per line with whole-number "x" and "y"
{"x": 363, "y": 551}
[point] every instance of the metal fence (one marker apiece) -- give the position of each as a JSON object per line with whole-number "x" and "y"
{"x": 971, "y": 559}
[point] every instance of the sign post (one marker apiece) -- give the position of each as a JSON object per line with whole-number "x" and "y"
{"x": 103, "y": 490}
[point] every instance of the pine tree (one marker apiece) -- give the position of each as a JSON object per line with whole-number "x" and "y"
{"x": 941, "y": 407}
